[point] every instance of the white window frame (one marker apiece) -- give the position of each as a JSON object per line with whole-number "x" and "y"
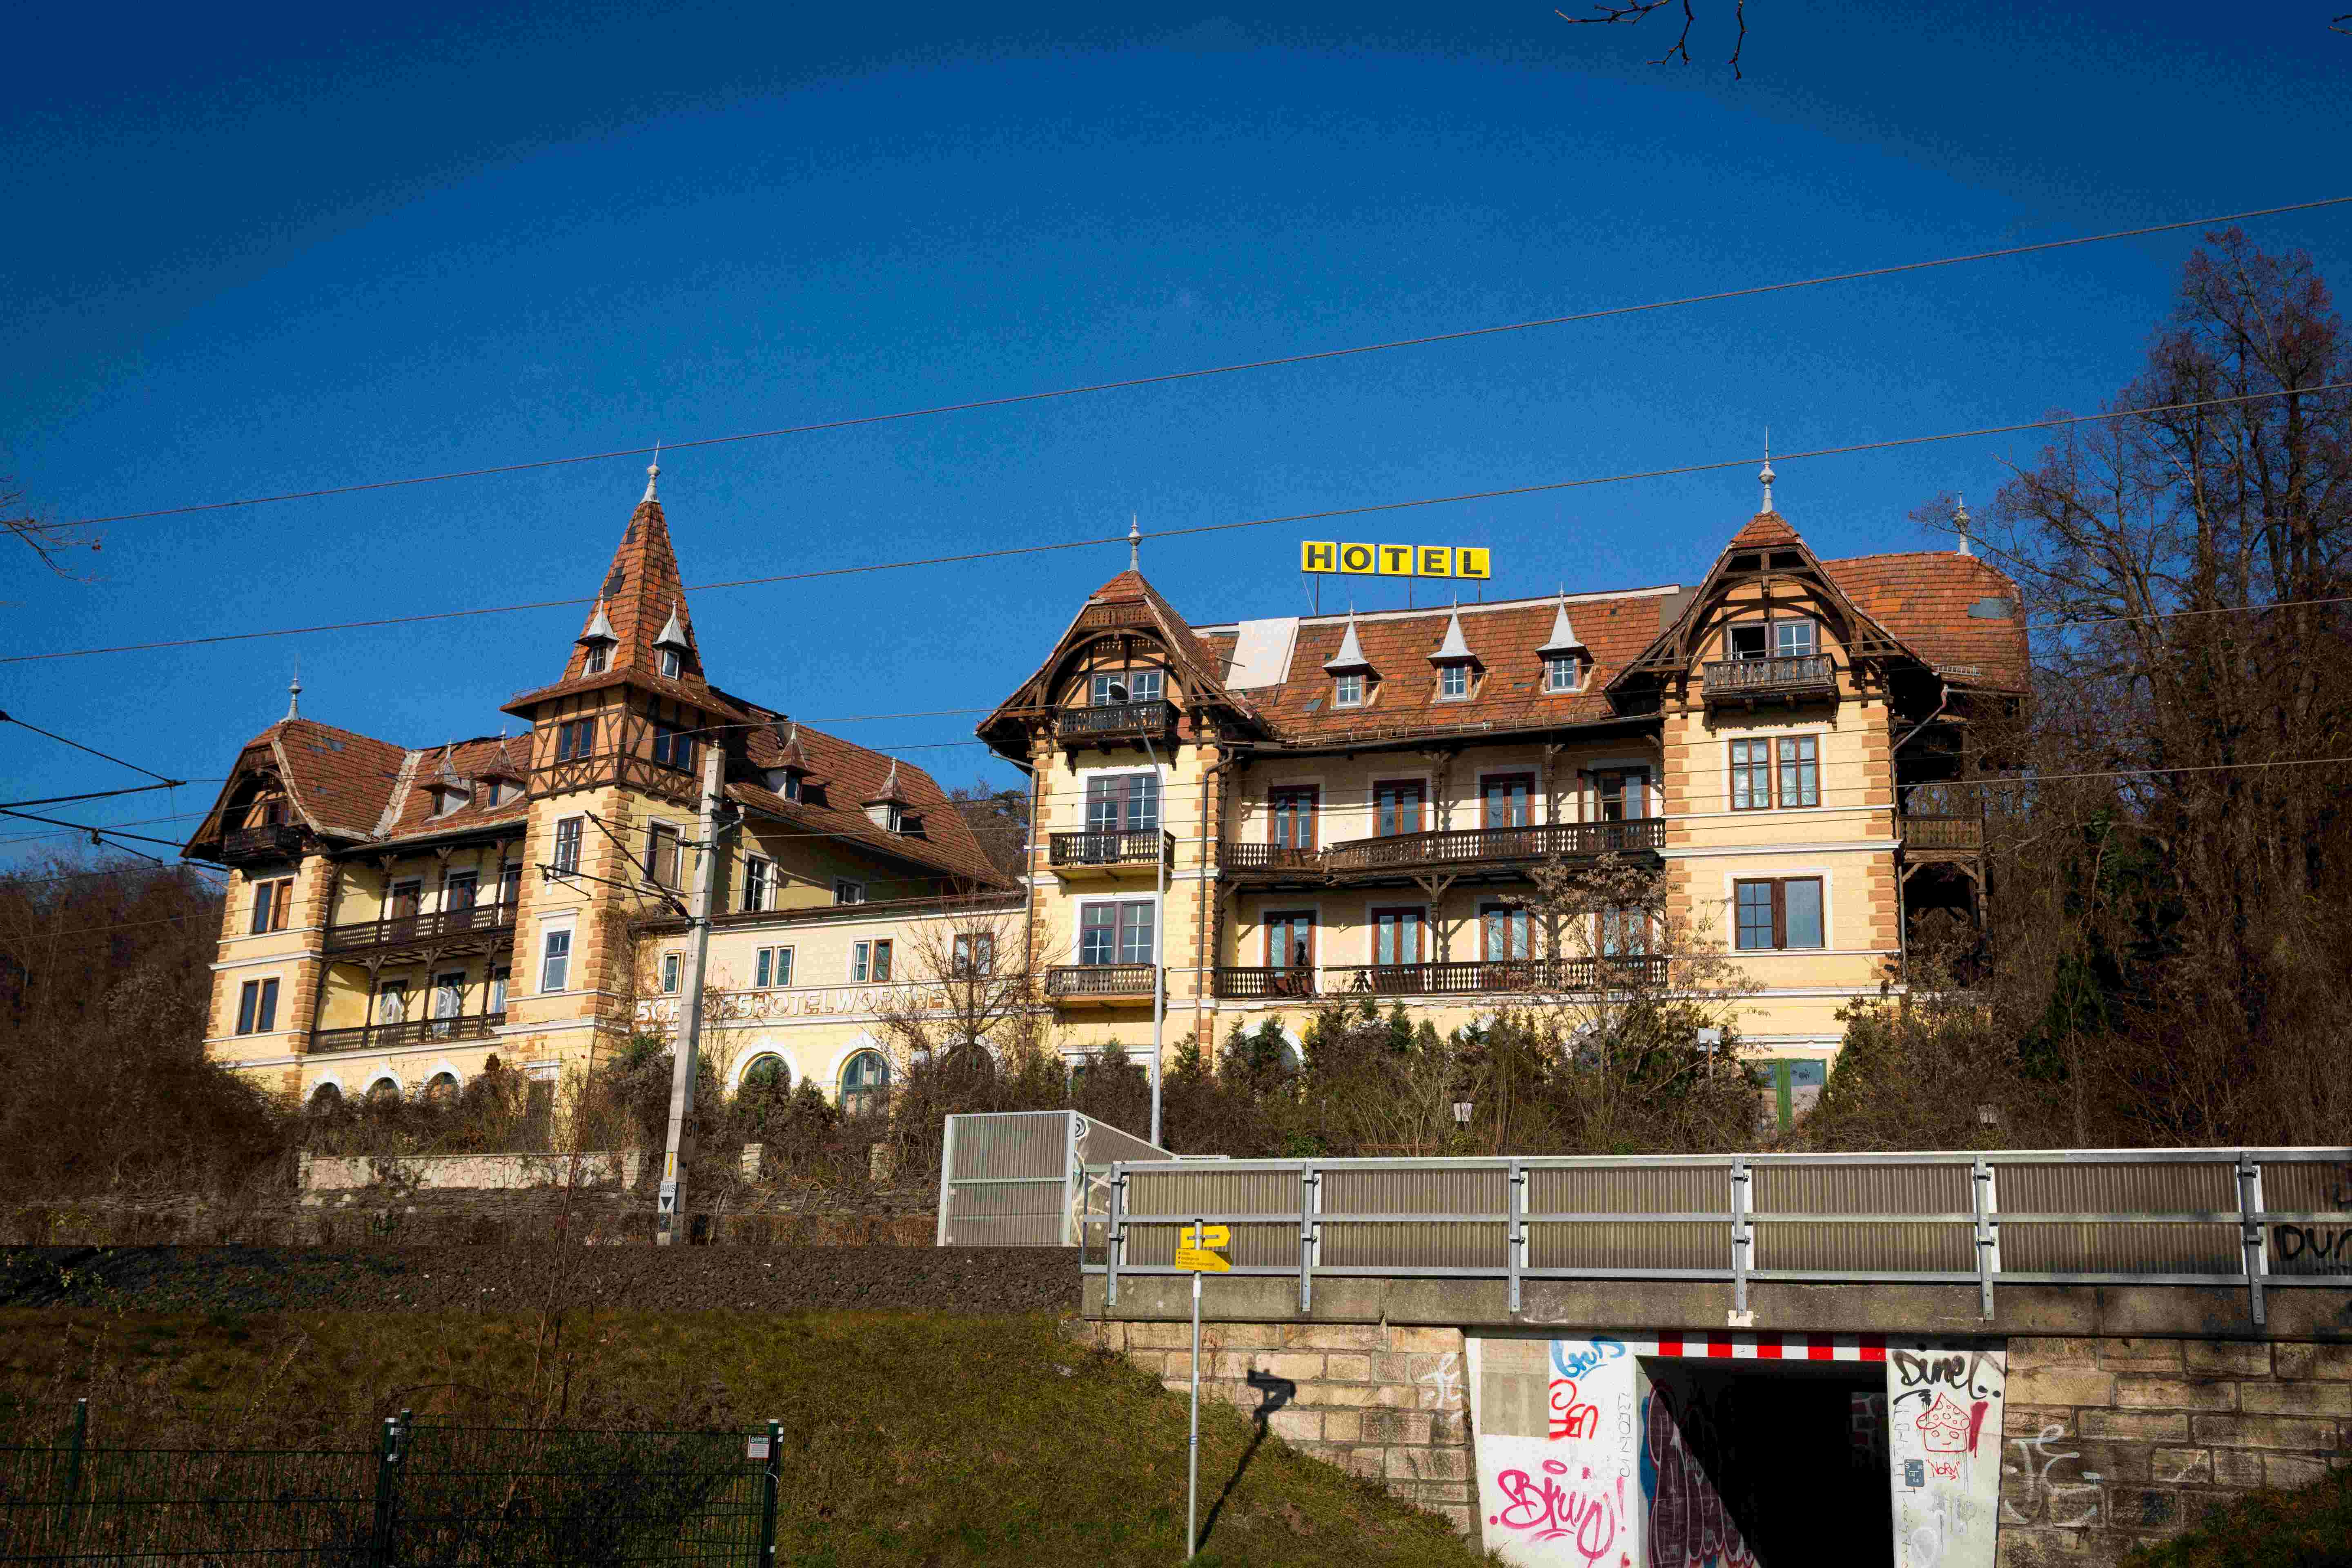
{"x": 862, "y": 955}
{"x": 759, "y": 882}
{"x": 673, "y": 664}
{"x": 1449, "y": 671}
{"x": 778, "y": 964}
{"x": 548, "y": 956}
{"x": 1556, "y": 662}
{"x": 599, "y": 659}
{"x": 1354, "y": 679}
{"x": 673, "y": 973}
{"x": 846, "y": 891}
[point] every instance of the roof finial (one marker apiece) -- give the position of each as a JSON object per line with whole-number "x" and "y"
{"x": 294, "y": 690}
{"x": 653, "y": 474}
{"x": 1961, "y": 520}
{"x": 1134, "y": 543}
{"x": 1767, "y": 474}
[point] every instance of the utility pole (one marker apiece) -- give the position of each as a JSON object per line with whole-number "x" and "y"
{"x": 679, "y": 1146}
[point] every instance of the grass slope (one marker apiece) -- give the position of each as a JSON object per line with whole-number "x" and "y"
{"x": 910, "y": 1438}
{"x": 2310, "y": 1527}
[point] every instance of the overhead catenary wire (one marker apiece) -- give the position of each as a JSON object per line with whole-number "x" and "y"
{"x": 1322, "y": 515}
{"x": 1310, "y": 357}
{"x": 93, "y": 751}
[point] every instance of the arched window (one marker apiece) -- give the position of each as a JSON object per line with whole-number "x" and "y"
{"x": 864, "y": 1080}
{"x": 383, "y": 1091}
{"x": 441, "y": 1087}
{"x": 326, "y": 1099}
{"x": 767, "y": 1073}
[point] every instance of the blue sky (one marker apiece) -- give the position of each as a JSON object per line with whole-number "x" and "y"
{"x": 269, "y": 250}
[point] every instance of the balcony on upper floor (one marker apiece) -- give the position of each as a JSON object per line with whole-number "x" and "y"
{"x": 1100, "y": 983}
{"x": 1116, "y": 723}
{"x": 485, "y": 927}
{"x": 1481, "y": 852}
{"x": 1940, "y": 835}
{"x": 1111, "y": 852}
{"x": 414, "y": 1032}
{"x": 1499, "y": 976}
{"x": 1237, "y": 982}
{"x": 269, "y": 842}
{"x": 1797, "y": 678}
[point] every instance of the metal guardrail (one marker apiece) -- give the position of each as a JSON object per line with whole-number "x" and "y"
{"x": 1027, "y": 1178}
{"x": 2242, "y": 1218}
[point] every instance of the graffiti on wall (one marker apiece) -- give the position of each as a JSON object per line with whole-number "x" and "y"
{"x": 1556, "y": 1451}
{"x": 2049, "y": 1489}
{"x": 1682, "y": 1456}
{"x": 1944, "y": 1437}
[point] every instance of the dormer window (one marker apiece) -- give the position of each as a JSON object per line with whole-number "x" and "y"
{"x": 785, "y": 782}
{"x": 671, "y": 647}
{"x": 1348, "y": 690}
{"x": 1786, "y": 636}
{"x": 1560, "y": 672}
{"x": 497, "y": 792}
{"x": 671, "y": 664}
{"x": 1453, "y": 682}
{"x": 1139, "y": 685}
{"x": 447, "y": 798}
{"x": 599, "y": 658}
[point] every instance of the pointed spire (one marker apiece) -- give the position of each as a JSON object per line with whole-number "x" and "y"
{"x": 1961, "y": 521}
{"x": 889, "y": 792}
{"x": 447, "y": 772}
{"x": 1350, "y": 655}
{"x": 1564, "y": 639}
{"x": 1766, "y": 475}
{"x": 600, "y": 626}
{"x": 294, "y": 694}
{"x": 673, "y": 636}
{"x": 1134, "y": 543}
{"x": 1454, "y": 647}
{"x": 653, "y": 475}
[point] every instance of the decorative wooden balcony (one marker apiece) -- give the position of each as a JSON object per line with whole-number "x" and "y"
{"x": 1491, "y": 976}
{"x": 1939, "y": 837}
{"x": 1099, "y": 982}
{"x": 272, "y": 841}
{"x": 1471, "y": 850}
{"x": 1246, "y": 984}
{"x": 1111, "y": 723}
{"x": 1112, "y": 852}
{"x": 414, "y": 1032}
{"x": 482, "y": 929}
{"x": 1788, "y": 680}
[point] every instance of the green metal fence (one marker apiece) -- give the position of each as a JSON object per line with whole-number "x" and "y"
{"x": 424, "y": 1496}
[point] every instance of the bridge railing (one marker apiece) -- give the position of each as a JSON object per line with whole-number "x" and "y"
{"x": 2254, "y": 1218}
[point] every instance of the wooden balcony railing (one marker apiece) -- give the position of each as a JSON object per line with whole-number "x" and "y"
{"x": 1119, "y": 847}
{"x": 399, "y": 930}
{"x": 1295, "y": 981}
{"x": 1116, "y": 720}
{"x": 1738, "y": 679}
{"x": 1470, "y": 845}
{"x": 272, "y": 841}
{"x": 416, "y": 1032}
{"x": 1072, "y": 980}
{"x": 1941, "y": 832}
{"x": 1503, "y": 974}
{"x": 1269, "y": 857}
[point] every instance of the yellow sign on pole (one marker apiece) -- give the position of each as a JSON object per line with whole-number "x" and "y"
{"x": 1395, "y": 559}
{"x": 1200, "y": 1261}
{"x": 1205, "y": 1236}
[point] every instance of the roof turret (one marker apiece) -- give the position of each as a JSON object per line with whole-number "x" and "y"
{"x": 1452, "y": 650}
{"x": 1350, "y": 657}
{"x": 1564, "y": 639}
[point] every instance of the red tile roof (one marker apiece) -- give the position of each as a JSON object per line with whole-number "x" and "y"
{"x": 1959, "y": 613}
{"x": 1765, "y": 528}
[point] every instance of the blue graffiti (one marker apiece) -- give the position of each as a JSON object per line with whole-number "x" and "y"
{"x": 1577, "y": 1362}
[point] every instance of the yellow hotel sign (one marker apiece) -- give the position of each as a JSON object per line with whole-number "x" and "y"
{"x": 1393, "y": 560}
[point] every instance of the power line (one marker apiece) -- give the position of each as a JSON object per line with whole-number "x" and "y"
{"x": 1013, "y": 399}
{"x": 1325, "y": 514}
{"x": 77, "y": 745}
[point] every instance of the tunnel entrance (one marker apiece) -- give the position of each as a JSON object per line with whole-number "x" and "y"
{"x": 1773, "y": 1464}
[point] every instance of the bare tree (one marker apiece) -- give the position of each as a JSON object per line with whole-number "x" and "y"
{"x": 1000, "y": 820}
{"x": 48, "y": 542}
{"x": 1634, "y": 11}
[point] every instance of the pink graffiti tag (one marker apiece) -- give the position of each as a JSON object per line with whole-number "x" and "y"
{"x": 1569, "y": 1419}
{"x": 1586, "y": 1519}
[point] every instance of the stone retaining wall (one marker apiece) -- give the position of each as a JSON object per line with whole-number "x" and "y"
{"x": 2111, "y": 1442}
{"x": 1383, "y": 1402}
